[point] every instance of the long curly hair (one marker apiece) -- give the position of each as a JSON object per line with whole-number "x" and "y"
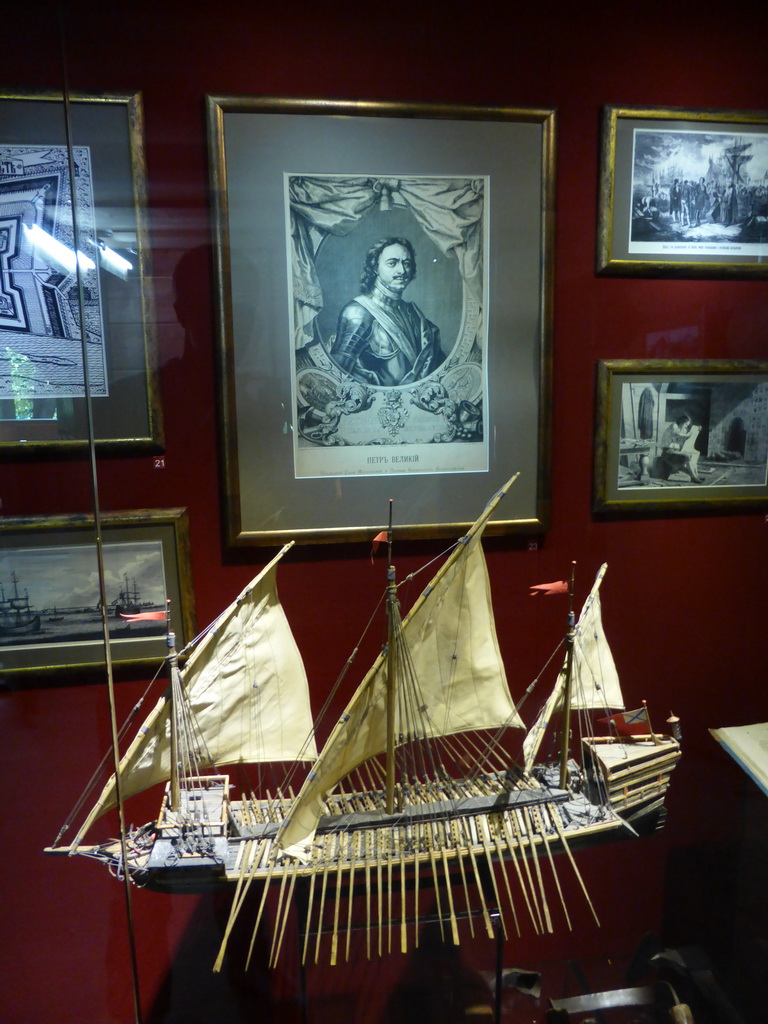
{"x": 371, "y": 263}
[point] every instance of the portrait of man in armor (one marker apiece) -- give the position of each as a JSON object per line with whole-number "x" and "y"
{"x": 382, "y": 339}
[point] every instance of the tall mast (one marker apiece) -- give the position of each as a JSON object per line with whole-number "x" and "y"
{"x": 391, "y": 680}
{"x": 569, "y": 641}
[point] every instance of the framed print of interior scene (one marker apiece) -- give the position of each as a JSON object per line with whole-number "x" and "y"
{"x": 683, "y": 193}
{"x": 384, "y": 315}
{"x": 681, "y": 434}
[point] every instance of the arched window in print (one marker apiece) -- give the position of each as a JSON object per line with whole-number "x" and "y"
{"x": 646, "y": 414}
{"x": 737, "y": 436}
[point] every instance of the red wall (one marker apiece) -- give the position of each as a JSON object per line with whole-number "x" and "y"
{"x": 684, "y": 599}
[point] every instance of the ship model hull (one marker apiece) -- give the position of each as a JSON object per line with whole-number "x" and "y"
{"x": 491, "y": 821}
{"x": 417, "y": 787}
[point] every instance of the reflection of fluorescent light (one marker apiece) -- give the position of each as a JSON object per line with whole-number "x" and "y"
{"x": 113, "y": 261}
{"x": 56, "y": 251}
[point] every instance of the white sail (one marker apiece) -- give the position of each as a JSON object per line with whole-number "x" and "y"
{"x": 532, "y": 741}
{"x": 453, "y": 654}
{"x": 246, "y": 688}
{"x": 594, "y": 679}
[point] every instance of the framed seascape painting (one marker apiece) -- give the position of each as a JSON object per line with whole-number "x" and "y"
{"x": 683, "y": 193}
{"x": 51, "y": 600}
{"x": 384, "y": 302}
{"x": 681, "y": 435}
{"x": 74, "y": 254}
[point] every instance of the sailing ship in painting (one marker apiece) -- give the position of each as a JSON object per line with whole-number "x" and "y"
{"x": 128, "y": 600}
{"x": 420, "y": 791}
{"x": 17, "y": 616}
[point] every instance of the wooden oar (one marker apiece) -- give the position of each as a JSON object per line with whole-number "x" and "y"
{"x": 522, "y": 837}
{"x": 403, "y": 904}
{"x": 390, "y": 855}
{"x": 323, "y": 891}
{"x": 566, "y": 847}
{"x": 436, "y": 880}
{"x": 468, "y": 825}
{"x": 460, "y": 853}
{"x": 449, "y": 892}
{"x": 335, "y": 937}
{"x": 357, "y": 841}
{"x": 484, "y": 833}
{"x": 246, "y": 877}
{"x": 261, "y": 907}
{"x": 530, "y": 822}
{"x": 284, "y": 920}
{"x": 259, "y": 853}
{"x": 502, "y": 865}
{"x": 416, "y": 881}
{"x": 307, "y": 923}
{"x": 514, "y": 851}
{"x": 380, "y": 894}
{"x": 368, "y": 854}
{"x": 545, "y": 836}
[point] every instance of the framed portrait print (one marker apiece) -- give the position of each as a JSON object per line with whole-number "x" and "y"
{"x": 683, "y": 193}
{"x": 681, "y": 435}
{"x": 51, "y": 601}
{"x": 74, "y": 254}
{"x": 384, "y": 300}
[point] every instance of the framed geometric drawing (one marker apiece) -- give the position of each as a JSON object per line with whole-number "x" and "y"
{"x": 74, "y": 253}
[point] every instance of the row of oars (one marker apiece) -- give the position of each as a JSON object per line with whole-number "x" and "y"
{"x": 453, "y": 859}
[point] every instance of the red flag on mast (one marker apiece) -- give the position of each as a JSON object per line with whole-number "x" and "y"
{"x": 558, "y": 587}
{"x": 378, "y": 539}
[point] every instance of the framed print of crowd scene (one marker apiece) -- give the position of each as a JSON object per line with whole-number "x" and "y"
{"x": 75, "y": 263}
{"x": 385, "y": 280}
{"x": 683, "y": 193}
{"x": 681, "y": 434}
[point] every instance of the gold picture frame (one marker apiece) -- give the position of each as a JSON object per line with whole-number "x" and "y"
{"x": 81, "y": 152}
{"x": 50, "y": 615}
{"x": 313, "y": 452}
{"x": 683, "y": 193}
{"x": 681, "y": 435}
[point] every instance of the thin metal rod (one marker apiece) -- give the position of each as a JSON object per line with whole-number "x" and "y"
{"x": 569, "y": 640}
{"x": 392, "y": 602}
{"x": 99, "y": 541}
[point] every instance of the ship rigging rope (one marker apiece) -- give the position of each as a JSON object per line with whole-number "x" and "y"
{"x": 93, "y": 782}
{"x": 414, "y": 716}
{"x": 335, "y": 688}
{"x": 422, "y": 752}
{"x": 192, "y": 749}
{"x": 374, "y": 617}
{"x": 494, "y": 743}
{"x": 443, "y": 556}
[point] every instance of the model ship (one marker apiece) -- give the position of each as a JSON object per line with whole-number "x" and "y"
{"x": 416, "y": 788}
